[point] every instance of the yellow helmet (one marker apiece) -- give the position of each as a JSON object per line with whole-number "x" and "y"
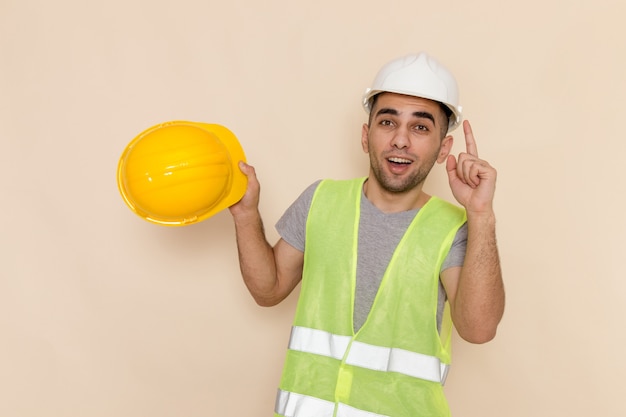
{"x": 180, "y": 172}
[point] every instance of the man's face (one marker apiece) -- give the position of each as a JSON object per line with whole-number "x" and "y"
{"x": 404, "y": 141}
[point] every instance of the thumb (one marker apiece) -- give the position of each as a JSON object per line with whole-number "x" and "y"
{"x": 247, "y": 170}
{"x": 250, "y": 173}
{"x": 250, "y": 199}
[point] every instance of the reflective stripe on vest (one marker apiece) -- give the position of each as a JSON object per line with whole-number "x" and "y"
{"x": 368, "y": 356}
{"x": 290, "y": 404}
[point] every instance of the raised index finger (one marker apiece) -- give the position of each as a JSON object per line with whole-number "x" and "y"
{"x": 470, "y": 143}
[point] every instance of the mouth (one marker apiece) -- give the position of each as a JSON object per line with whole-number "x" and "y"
{"x": 399, "y": 161}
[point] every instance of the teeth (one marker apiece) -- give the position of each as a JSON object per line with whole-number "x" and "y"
{"x": 399, "y": 160}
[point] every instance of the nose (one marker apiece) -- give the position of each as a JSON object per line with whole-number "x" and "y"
{"x": 401, "y": 138}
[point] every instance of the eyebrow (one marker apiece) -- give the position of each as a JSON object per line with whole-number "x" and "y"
{"x": 417, "y": 114}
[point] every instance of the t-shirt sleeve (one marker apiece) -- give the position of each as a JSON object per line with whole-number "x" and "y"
{"x": 456, "y": 256}
{"x": 292, "y": 225}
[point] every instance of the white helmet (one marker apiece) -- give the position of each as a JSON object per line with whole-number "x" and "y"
{"x": 420, "y": 76}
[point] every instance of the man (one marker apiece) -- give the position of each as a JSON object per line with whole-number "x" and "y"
{"x": 378, "y": 258}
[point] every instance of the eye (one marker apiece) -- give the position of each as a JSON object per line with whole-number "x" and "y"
{"x": 385, "y": 122}
{"x": 422, "y": 128}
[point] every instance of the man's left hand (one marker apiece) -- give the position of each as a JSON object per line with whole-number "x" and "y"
{"x": 472, "y": 180}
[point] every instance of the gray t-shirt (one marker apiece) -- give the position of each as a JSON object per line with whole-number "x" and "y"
{"x": 379, "y": 235}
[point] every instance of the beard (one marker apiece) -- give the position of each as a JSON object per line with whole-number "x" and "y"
{"x": 401, "y": 184}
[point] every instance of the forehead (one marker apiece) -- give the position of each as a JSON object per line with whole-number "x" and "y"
{"x": 403, "y": 103}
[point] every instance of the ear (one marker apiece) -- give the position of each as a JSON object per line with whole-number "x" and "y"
{"x": 444, "y": 150}
{"x": 365, "y": 138}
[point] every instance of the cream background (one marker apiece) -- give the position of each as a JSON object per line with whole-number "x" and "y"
{"x": 104, "y": 314}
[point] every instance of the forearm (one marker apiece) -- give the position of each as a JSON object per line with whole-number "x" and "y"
{"x": 256, "y": 258}
{"x": 479, "y": 301}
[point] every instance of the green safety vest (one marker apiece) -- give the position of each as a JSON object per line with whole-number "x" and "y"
{"x": 396, "y": 364}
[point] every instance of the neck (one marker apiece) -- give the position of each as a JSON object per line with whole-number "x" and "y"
{"x": 390, "y": 202}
